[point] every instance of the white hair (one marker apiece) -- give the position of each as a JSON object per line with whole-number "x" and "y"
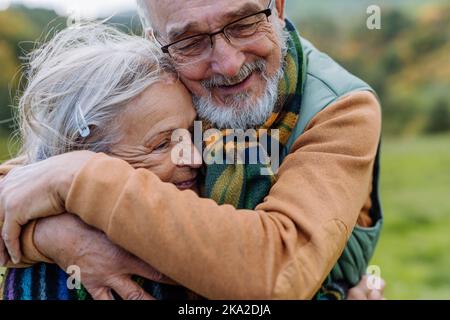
{"x": 77, "y": 85}
{"x": 144, "y": 15}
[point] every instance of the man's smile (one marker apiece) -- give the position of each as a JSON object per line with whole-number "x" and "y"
{"x": 236, "y": 87}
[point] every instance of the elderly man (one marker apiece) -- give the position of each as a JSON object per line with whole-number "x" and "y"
{"x": 312, "y": 225}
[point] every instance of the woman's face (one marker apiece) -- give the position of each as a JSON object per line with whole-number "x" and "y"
{"x": 145, "y": 132}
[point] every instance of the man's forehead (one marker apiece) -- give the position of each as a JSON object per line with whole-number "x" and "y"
{"x": 175, "y": 15}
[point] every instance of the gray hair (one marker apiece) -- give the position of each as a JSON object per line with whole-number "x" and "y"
{"x": 77, "y": 84}
{"x": 144, "y": 15}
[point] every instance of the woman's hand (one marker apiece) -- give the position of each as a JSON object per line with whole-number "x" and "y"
{"x": 104, "y": 267}
{"x": 363, "y": 292}
{"x": 35, "y": 191}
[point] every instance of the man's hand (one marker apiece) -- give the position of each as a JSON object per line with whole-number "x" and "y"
{"x": 363, "y": 292}
{"x": 35, "y": 191}
{"x": 104, "y": 266}
{"x": 4, "y": 256}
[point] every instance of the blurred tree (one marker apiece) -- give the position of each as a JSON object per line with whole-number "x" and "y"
{"x": 7, "y": 84}
{"x": 20, "y": 28}
{"x": 394, "y": 22}
{"x": 391, "y": 61}
{"x": 439, "y": 117}
{"x": 427, "y": 40}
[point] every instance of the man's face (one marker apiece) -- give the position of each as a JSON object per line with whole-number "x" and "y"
{"x": 230, "y": 84}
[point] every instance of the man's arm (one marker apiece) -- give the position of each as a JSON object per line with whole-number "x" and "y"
{"x": 283, "y": 249}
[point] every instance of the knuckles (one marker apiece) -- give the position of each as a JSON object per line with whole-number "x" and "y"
{"x": 5, "y": 236}
{"x": 135, "y": 295}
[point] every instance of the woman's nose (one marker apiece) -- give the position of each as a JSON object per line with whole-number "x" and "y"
{"x": 196, "y": 158}
{"x": 190, "y": 156}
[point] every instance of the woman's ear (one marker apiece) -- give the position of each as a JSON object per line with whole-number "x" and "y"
{"x": 279, "y": 5}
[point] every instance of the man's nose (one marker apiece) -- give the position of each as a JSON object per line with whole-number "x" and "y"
{"x": 227, "y": 60}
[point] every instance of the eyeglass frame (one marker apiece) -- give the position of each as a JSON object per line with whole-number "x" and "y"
{"x": 267, "y": 12}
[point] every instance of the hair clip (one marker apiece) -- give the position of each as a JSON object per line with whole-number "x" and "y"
{"x": 84, "y": 132}
{"x": 83, "y": 128}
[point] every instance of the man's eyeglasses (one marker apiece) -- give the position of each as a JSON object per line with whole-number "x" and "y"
{"x": 243, "y": 31}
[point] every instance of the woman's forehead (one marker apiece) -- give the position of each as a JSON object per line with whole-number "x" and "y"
{"x": 163, "y": 106}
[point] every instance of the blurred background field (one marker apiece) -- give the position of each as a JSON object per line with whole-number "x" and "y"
{"x": 407, "y": 61}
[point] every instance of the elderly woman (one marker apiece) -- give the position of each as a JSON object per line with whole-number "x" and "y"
{"x": 95, "y": 88}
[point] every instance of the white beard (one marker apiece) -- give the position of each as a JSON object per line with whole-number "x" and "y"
{"x": 241, "y": 111}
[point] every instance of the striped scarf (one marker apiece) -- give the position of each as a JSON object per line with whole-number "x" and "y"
{"x": 241, "y": 184}
{"x": 49, "y": 282}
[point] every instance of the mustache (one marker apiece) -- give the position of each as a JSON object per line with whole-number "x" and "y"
{"x": 247, "y": 69}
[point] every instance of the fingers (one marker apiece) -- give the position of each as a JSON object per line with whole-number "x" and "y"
{"x": 101, "y": 294}
{"x": 127, "y": 289}
{"x": 141, "y": 268}
{"x": 359, "y": 294}
{"x": 4, "y": 257}
{"x": 10, "y": 234}
{"x": 378, "y": 293}
{"x": 375, "y": 295}
{"x": 356, "y": 294}
{"x": 368, "y": 291}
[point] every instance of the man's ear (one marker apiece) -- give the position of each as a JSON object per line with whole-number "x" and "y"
{"x": 279, "y": 5}
{"x": 149, "y": 33}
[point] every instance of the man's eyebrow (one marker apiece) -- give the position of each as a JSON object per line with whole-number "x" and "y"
{"x": 247, "y": 8}
{"x": 178, "y": 31}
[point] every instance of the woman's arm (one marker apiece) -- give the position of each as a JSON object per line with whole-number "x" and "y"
{"x": 31, "y": 254}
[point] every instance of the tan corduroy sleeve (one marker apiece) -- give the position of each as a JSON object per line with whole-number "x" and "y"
{"x": 30, "y": 254}
{"x": 283, "y": 250}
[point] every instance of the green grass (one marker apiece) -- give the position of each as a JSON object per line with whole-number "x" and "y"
{"x": 413, "y": 252}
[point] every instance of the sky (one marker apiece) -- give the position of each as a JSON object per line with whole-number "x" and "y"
{"x": 83, "y": 8}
